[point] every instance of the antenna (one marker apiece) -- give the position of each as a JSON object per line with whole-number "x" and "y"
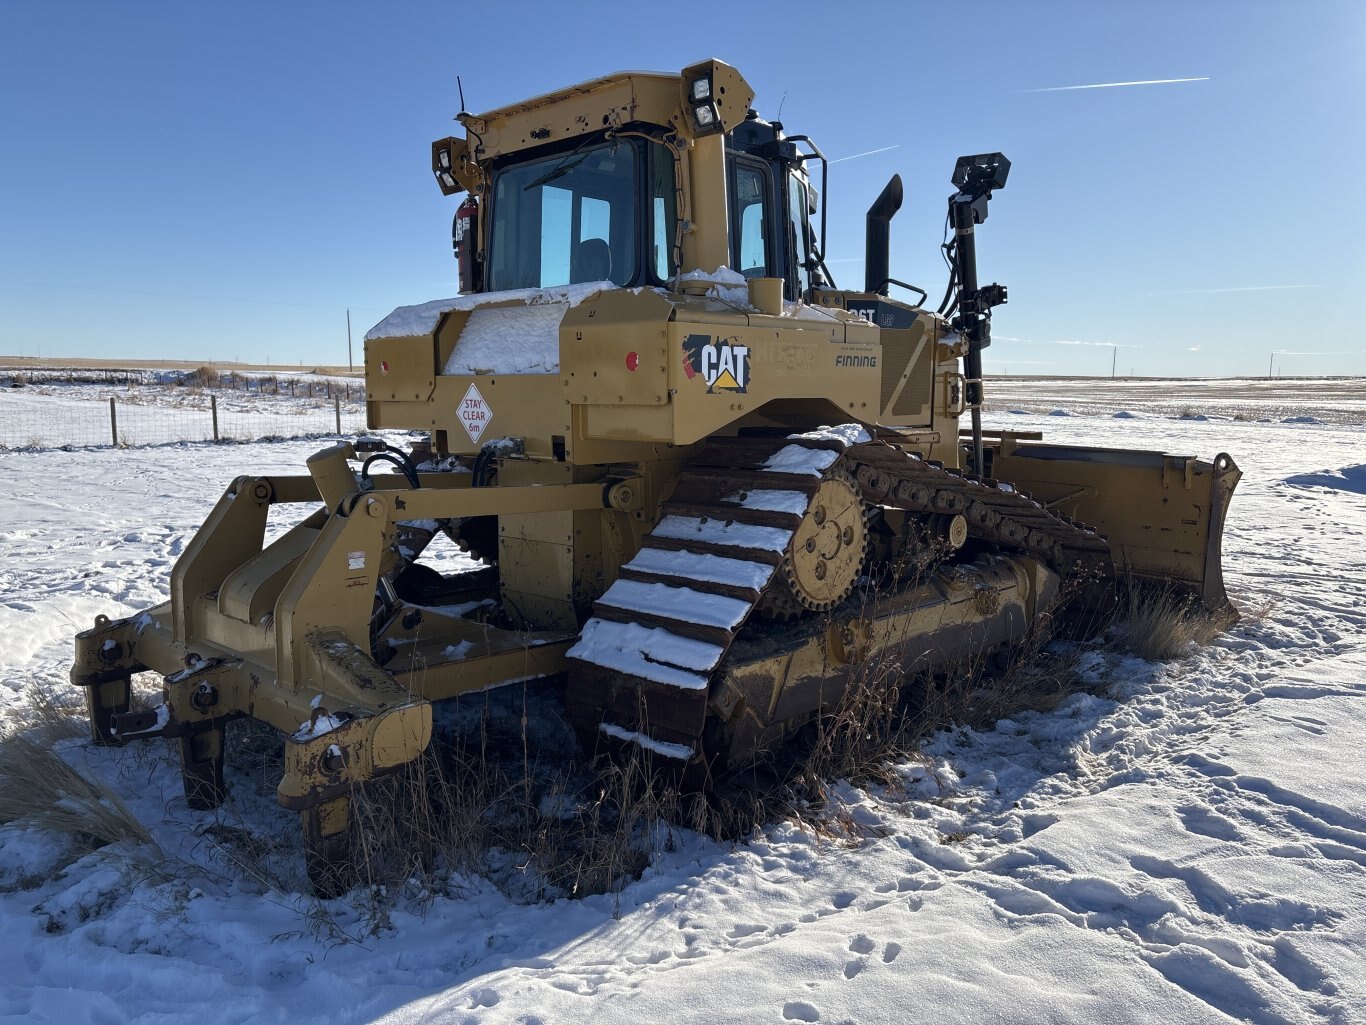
{"x": 779, "y": 115}
{"x": 461, "y": 89}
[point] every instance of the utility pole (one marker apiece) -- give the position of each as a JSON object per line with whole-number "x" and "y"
{"x": 350, "y": 363}
{"x": 1271, "y": 369}
{"x": 1113, "y": 360}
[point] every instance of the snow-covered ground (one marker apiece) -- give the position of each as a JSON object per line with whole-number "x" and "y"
{"x": 1335, "y": 400}
{"x": 1188, "y": 846}
{"x": 43, "y": 409}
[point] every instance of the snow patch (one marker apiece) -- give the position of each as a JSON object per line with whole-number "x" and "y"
{"x": 422, "y": 319}
{"x": 716, "y": 569}
{"x": 722, "y": 532}
{"x": 624, "y": 647}
{"x": 727, "y": 285}
{"x": 794, "y": 502}
{"x": 681, "y": 752}
{"x": 680, "y": 603}
{"x": 317, "y": 726}
{"x": 1350, "y": 479}
{"x": 519, "y": 340}
{"x": 845, "y": 434}
{"x": 802, "y": 311}
{"x": 798, "y": 459}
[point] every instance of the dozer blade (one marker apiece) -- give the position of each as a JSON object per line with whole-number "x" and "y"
{"x": 1164, "y": 515}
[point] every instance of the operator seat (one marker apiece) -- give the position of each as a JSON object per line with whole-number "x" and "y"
{"x": 592, "y": 261}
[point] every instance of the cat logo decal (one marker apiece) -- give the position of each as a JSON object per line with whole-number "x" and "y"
{"x": 721, "y": 363}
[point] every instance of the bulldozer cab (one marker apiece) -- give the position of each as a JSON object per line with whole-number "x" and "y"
{"x": 581, "y": 198}
{"x": 770, "y": 204}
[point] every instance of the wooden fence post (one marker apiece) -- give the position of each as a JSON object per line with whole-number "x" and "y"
{"x": 113, "y": 422}
{"x": 336, "y": 406}
{"x": 213, "y": 407}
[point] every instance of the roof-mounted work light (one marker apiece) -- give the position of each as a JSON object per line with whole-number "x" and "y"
{"x": 713, "y": 99}
{"x": 703, "y": 104}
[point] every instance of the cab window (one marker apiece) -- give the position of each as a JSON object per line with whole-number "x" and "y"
{"x": 798, "y": 233}
{"x": 565, "y": 219}
{"x": 663, "y": 214}
{"x": 751, "y": 214}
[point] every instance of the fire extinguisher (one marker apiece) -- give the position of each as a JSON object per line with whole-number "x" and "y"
{"x": 465, "y": 243}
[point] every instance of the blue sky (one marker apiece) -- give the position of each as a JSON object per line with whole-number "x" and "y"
{"x": 186, "y": 180}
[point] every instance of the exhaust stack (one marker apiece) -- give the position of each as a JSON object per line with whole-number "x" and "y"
{"x": 877, "y": 253}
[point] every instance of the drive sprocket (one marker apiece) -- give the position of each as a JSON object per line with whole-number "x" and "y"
{"x": 828, "y": 552}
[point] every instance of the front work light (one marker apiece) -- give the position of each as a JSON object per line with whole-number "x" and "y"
{"x": 982, "y": 172}
{"x": 705, "y": 114}
{"x": 701, "y": 89}
{"x": 444, "y": 157}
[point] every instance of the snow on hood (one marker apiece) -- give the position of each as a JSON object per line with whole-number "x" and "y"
{"x": 510, "y": 340}
{"x": 422, "y": 319}
{"x": 727, "y": 285}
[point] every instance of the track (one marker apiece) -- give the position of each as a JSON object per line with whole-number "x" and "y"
{"x": 642, "y": 670}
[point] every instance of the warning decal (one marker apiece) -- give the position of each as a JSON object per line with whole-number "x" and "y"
{"x": 474, "y": 413}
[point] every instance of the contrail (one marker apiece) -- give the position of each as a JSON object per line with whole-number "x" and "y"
{"x": 1114, "y": 85}
{"x": 1244, "y": 288}
{"x": 869, "y": 153}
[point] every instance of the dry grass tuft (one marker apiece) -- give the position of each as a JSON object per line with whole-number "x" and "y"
{"x": 477, "y": 804}
{"x": 204, "y": 377}
{"x": 51, "y": 718}
{"x": 1160, "y": 625}
{"x": 38, "y": 787}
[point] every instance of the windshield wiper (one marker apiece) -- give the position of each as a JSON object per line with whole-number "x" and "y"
{"x": 558, "y": 171}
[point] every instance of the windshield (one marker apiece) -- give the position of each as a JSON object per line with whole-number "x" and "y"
{"x": 565, "y": 219}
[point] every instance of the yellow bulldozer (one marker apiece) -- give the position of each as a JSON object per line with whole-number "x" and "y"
{"x": 707, "y": 487}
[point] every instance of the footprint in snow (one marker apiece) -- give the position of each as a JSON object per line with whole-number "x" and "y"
{"x": 800, "y": 1010}
{"x": 649, "y": 959}
{"x": 738, "y": 932}
{"x": 862, "y": 944}
{"x": 1036, "y": 822}
{"x": 484, "y": 998}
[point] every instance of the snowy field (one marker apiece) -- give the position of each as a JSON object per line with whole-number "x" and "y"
{"x": 1333, "y": 400}
{"x": 43, "y": 409}
{"x": 1188, "y": 844}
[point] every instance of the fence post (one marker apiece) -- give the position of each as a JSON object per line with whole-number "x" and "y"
{"x": 213, "y": 407}
{"x": 336, "y": 405}
{"x": 113, "y": 422}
